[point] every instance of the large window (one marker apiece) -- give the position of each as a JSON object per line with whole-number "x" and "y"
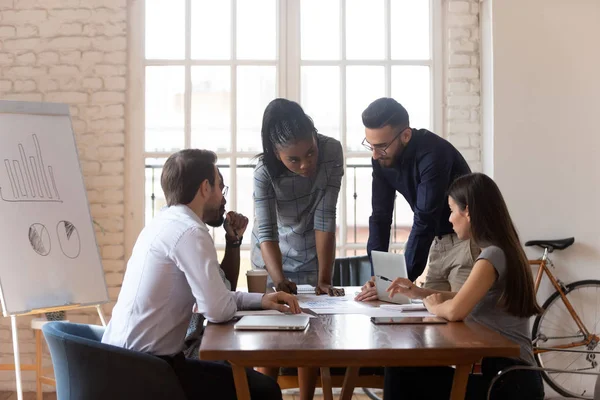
{"x": 208, "y": 68}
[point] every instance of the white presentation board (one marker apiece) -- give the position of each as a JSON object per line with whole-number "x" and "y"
{"x": 48, "y": 251}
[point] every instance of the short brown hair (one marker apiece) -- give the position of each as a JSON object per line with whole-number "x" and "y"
{"x": 184, "y": 172}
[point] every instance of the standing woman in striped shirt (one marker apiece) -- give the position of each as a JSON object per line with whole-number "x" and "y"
{"x": 296, "y": 185}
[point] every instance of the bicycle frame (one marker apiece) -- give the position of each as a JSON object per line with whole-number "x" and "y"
{"x": 543, "y": 267}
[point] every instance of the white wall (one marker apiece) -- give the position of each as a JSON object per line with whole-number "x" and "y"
{"x": 546, "y": 136}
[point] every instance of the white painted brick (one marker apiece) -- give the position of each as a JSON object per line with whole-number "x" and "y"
{"x": 108, "y": 97}
{"x": 475, "y": 8}
{"x": 70, "y": 57}
{"x": 101, "y": 182}
{"x": 112, "y": 167}
{"x": 78, "y": 125}
{"x": 6, "y": 58}
{"x": 458, "y": 87}
{"x": 7, "y": 4}
{"x": 26, "y": 58}
{"x": 90, "y": 167}
{"x": 7, "y": 31}
{"x": 459, "y": 33}
{"x": 68, "y": 97}
{"x": 109, "y": 44}
{"x": 113, "y": 139}
{"x": 474, "y": 115}
{"x": 66, "y": 70}
{"x": 459, "y": 141}
{"x": 113, "y": 252}
{"x": 112, "y": 153}
{"x": 27, "y": 31}
{"x": 47, "y": 58}
{"x": 55, "y": 3}
{"x": 114, "y": 265}
{"x": 108, "y": 125}
{"x": 475, "y": 60}
{"x": 116, "y": 238}
{"x": 464, "y": 100}
{"x": 115, "y": 83}
{"x": 464, "y": 127}
{"x": 117, "y": 110}
{"x": 110, "y": 70}
{"x": 476, "y": 166}
{"x": 106, "y": 210}
{"x": 25, "y": 86}
{"x": 47, "y": 85}
{"x": 71, "y": 29}
{"x": 25, "y": 72}
{"x": 114, "y": 278}
{"x": 21, "y": 44}
{"x": 92, "y": 83}
{"x": 459, "y": 7}
{"x": 470, "y": 154}
{"x": 106, "y": 16}
{"x": 69, "y": 43}
{"x": 475, "y": 33}
{"x": 68, "y": 83}
{"x": 475, "y": 140}
{"x": 475, "y": 85}
{"x": 469, "y": 73}
{"x": 103, "y": 3}
{"x": 113, "y": 196}
{"x": 461, "y": 20}
{"x": 116, "y": 57}
{"x": 70, "y": 14}
{"x": 5, "y": 85}
{"x": 26, "y": 16}
{"x": 460, "y": 59}
{"x": 25, "y": 4}
{"x": 113, "y": 292}
{"x": 463, "y": 45}
{"x": 458, "y": 114}
{"x": 92, "y": 57}
{"x": 23, "y": 96}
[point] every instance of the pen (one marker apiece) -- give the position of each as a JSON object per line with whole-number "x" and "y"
{"x": 385, "y": 278}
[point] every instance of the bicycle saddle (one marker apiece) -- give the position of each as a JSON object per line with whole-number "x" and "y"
{"x": 558, "y": 244}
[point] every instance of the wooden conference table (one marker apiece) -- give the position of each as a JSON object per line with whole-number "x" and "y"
{"x": 351, "y": 340}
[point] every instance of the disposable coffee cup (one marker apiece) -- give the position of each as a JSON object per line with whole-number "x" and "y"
{"x": 257, "y": 280}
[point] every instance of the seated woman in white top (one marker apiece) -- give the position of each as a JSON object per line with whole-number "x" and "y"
{"x": 498, "y": 293}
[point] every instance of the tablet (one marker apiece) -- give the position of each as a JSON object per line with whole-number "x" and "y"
{"x": 407, "y": 320}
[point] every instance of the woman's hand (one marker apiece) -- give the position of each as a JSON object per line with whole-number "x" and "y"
{"x": 405, "y": 287}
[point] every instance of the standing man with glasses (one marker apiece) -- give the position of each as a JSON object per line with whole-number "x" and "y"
{"x": 421, "y": 166}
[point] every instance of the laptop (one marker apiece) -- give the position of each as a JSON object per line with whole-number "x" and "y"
{"x": 272, "y": 322}
{"x": 392, "y": 266}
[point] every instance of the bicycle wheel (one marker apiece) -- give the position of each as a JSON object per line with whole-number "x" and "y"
{"x": 555, "y": 327}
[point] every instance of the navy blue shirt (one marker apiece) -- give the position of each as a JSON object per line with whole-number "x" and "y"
{"x": 422, "y": 173}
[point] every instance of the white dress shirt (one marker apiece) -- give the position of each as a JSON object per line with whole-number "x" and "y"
{"x": 173, "y": 265}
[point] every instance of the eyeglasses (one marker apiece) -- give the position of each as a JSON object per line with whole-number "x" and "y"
{"x": 381, "y": 148}
{"x": 225, "y": 190}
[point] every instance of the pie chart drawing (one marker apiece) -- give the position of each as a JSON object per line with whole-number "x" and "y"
{"x": 39, "y": 239}
{"x": 68, "y": 238}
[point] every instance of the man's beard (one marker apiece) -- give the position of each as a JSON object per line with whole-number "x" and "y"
{"x": 217, "y": 217}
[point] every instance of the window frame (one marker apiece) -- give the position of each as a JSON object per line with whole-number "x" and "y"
{"x": 288, "y": 65}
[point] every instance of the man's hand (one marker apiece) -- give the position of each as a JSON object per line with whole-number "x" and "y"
{"x": 368, "y": 292}
{"x": 282, "y": 302}
{"x": 235, "y": 225}
{"x": 286, "y": 286}
{"x": 330, "y": 290}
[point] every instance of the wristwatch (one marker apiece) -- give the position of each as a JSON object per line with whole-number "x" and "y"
{"x": 233, "y": 243}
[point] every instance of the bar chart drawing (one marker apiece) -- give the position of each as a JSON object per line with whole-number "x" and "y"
{"x": 31, "y": 181}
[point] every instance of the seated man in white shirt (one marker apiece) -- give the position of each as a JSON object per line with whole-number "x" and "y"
{"x": 174, "y": 266}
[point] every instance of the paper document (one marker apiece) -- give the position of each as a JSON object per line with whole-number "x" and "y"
{"x": 404, "y": 307}
{"x": 305, "y": 289}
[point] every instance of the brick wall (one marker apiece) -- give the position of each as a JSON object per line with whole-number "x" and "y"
{"x": 74, "y": 52}
{"x": 462, "y": 82}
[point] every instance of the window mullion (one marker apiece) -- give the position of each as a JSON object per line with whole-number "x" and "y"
{"x": 343, "y": 201}
{"x": 187, "y": 106}
{"x": 292, "y": 53}
{"x": 233, "y": 107}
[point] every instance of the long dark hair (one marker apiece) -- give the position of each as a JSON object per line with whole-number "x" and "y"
{"x": 284, "y": 123}
{"x": 491, "y": 225}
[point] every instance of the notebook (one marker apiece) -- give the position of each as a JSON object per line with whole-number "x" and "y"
{"x": 272, "y": 322}
{"x": 305, "y": 289}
